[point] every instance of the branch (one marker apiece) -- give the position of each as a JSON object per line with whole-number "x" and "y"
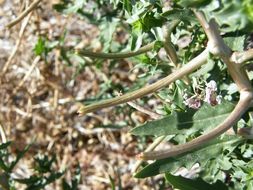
{"x": 168, "y": 45}
{"x": 121, "y": 55}
{"x": 23, "y": 14}
{"x": 217, "y": 46}
{"x": 241, "y": 57}
{"x": 240, "y": 109}
{"x": 152, "y": 114}
{"x": 151, "y": 147}
{"x": 187, "y": 68}
{"x": 156, "y": 142}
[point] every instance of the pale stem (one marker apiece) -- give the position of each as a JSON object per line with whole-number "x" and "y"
{"x": 241, "y": 107}
{"x": 151, "y": 147}
{"x": 241, "y": 57}
{"x": 157, "y": 141}
{"x": 219, "y": 48}
{"x": 168, "y": 45}
{"x": 24, "y": 14}
{"x": 120, "y": 55}
{"x": 152, "y": 114}
{"x": 186, "y": 69}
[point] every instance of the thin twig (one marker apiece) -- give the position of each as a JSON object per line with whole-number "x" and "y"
{"x": 152, "y": 114}
{"x": 242, "y": 57}
{"x": 187, "y": 68}
{"x": 150, "y": 148}
{"x": 157, "y": 141}
{"x": 14, "y": 51}
{"x": 2, "y": 133}
{"x": 35, "y": 62}
{"x": 24, "y": 14}
{"x": 120, "y": 55}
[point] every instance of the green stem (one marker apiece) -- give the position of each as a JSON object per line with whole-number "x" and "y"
{"x": 121, "y": 55}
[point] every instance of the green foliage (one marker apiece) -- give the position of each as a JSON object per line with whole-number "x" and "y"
{"x": 37, "y": 182}
{"x": 187, "y": 123}
{"x": 74, "y": 181}
{"x": 44, "y": 172}
{"x": 144, "y": 22}
{"x": 192, "y": 184}
{"x": 207, "y": 153}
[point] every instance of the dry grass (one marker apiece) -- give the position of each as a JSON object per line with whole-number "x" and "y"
{"x": 37, "y": 101}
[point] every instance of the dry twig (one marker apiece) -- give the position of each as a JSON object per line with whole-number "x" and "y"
{"x": 24, "y": 14}
{"x": 15, "y": 49}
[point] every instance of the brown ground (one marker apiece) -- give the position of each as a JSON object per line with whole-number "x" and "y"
{"x": 36, "y": 101}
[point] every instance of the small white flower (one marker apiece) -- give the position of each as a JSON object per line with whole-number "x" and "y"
{"x": 211, "y": 94}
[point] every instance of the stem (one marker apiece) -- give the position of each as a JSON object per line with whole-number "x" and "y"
{"x": 188, "y": 68}
{"x": 151, "y": 147}
{"x": 23, "y": 14}
{"x": 240, "y": 109}
{"x": 218, "y": 47}
{"x": 152, "y": 114}
{"x": 168, "y": 45}
{"x": 241, "y": 57}
{"x": 121, "y": 55}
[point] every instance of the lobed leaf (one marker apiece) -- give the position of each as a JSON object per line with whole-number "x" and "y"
{"x": 212, "y": 150}
{"x": 180, "y": 182}
{"x": 207, "y": 117}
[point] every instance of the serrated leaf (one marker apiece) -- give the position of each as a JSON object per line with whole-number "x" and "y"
{"x": 202, "y": 155}
{"x": 207, "y": 117}
{"x": 180, "y": 182}
{"x": 231, "y": 15}
{"x": 235, "y": 43}
{"x": 180, "y": 14}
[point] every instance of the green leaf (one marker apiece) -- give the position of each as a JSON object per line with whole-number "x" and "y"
{"x": 248, "y": 8}
{"x": 39, "y": 182}
{"x": 180, "y": 14}
{"x": 65, "y": 185}
{"x": 107, "y": 28}
{"x": 74, "y": 181}
{"x": 40, "y": 46}
{"x": 5, "y": 145}
{"x": 127, "y": 5}
{"x": 43, "y": 163}
{"x": 193, "y": 184}
{"x": 19, "y": 156}
{"x": 235, "y": 43}
{"x": 112, "y": 183}
{"x": 193, "y": 3}
{"x": 202, "y": 155}
{"x": 231, "y": 15}
{"x": 4, "y": 166}
{"x": 77, "y": 5}
{"x": 207, "y": 117}
{"x": 204, "y": 69}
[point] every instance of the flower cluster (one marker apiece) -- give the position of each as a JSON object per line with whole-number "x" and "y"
{"x": 211, "y": 97}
